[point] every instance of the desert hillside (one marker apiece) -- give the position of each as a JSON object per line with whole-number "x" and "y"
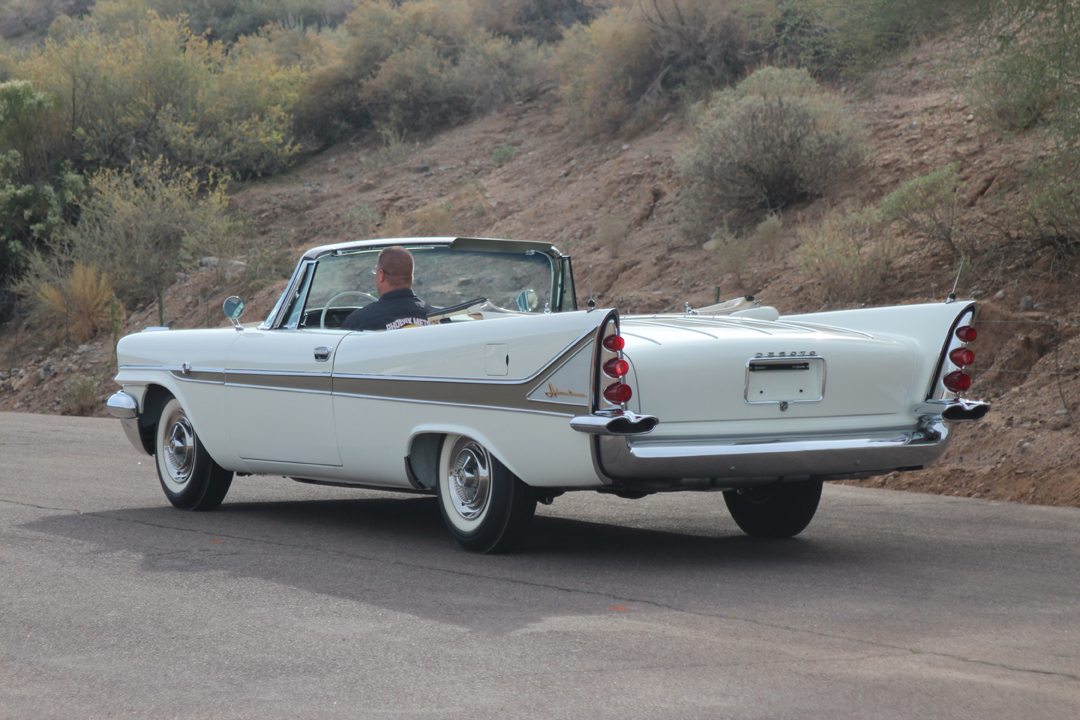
{"x": 615, "y": 204}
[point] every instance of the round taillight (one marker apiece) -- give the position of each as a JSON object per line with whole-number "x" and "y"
{"x": 956, "y": 381}
{"x": 614, "y": 343}
{"x": 962, "y": 357}
{"x": 966, "y": 333}
{"x": 616, "y": 368}
{"x": 618, "y": 393}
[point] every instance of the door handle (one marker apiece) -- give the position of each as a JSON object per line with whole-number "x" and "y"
{"x": 322, "y": 353}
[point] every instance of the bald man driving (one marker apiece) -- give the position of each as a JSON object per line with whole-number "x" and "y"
{"x": 397, "y": 306}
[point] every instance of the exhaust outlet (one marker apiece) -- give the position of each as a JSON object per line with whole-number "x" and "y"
{"x": 615, "y": 423}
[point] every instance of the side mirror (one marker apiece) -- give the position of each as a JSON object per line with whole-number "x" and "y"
{"x": 528, "y": 301}
{"x": 233, "y": 307}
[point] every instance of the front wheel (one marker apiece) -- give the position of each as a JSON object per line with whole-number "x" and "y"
{"x": 775, "y": 511}
{"x": 485, "y": 506}
{"x": 189, "y": 476}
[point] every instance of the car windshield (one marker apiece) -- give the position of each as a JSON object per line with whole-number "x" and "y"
{"x": 514, "y": 281}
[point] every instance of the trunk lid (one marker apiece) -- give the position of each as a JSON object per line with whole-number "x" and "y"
{"x": 690, "y": 369}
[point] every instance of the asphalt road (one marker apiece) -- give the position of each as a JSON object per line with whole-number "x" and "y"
{"x": 294, "y": 601}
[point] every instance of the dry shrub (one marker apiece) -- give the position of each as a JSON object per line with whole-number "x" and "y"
{"x": 605, "y": 70}
{"x": 1051, "y": 217}
{"x": 774, "y": 140}
{"x": 464, "y": 213}
{"x": 265, "y": 263}
{"x": 82, "y": 302}
{"x": 927, "y": 206}
{"x": 414, "y": 67}
{"x": 1016, "y": 90}
{"x": 839, "y": 255}
{"x": 732, "y": 253}
{"x": 631, "y": 63}
{"x": 610, "y": 232}
{"x": 768, "y": 235}
{"x": 79, "y": 396}
{"x": 541, "y": 20}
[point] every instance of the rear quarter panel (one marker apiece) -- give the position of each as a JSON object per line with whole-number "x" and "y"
{"x": 485, "y": 379}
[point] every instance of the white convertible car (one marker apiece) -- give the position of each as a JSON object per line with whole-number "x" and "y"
{"x": 513, "y": 395}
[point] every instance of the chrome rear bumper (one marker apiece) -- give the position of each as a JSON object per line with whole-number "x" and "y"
{"x": 741, "y": 463}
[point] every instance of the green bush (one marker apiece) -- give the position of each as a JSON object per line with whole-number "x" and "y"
{"x": 149, "y": 87}
{"x": 30, "y": 213}
{"x": 927, "y": 206}
{"x": 503, "y": 154}
{"x": 774, "y": 140}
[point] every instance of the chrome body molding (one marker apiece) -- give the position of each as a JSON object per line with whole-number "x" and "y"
{"x": 749, "y": 461}
{"x": 125, "y": 408}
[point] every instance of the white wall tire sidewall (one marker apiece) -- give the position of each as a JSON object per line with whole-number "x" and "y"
{"x": 463, "y": 525}
{"x": 170, "y": 414}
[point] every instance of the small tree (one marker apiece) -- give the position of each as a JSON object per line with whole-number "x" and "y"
{"x": 140, "y": 224}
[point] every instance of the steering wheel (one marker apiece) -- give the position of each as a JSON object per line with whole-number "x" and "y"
{"x": 345, "y": 293}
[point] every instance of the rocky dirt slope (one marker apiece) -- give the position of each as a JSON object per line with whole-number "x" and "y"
{"x": 614, "y": 206}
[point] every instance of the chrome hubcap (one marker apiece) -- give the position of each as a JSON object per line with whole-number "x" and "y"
{"x": 179, "y": 450}
{"x": 470, "y": 480}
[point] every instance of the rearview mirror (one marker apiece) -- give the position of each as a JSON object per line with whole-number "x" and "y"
{"x": 528, "y": 301}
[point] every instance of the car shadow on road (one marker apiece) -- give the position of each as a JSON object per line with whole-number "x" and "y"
{"x": 395, "y": 552}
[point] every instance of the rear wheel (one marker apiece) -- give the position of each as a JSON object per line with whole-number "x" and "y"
{"x": 189, "y": 476}
{"x": 775, "y": 511}
{"x": 485, "y": 506}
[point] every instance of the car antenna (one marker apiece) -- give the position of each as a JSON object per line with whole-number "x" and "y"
{"x": 952, "y": 293}
{"x": 591, "y": 302}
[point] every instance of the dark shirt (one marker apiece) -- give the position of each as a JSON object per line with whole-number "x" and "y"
{"x": 395, "y": 309}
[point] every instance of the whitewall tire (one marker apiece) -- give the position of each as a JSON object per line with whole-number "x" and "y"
{"x": 486, "y": 507}
{"x": 189, "y": 476}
